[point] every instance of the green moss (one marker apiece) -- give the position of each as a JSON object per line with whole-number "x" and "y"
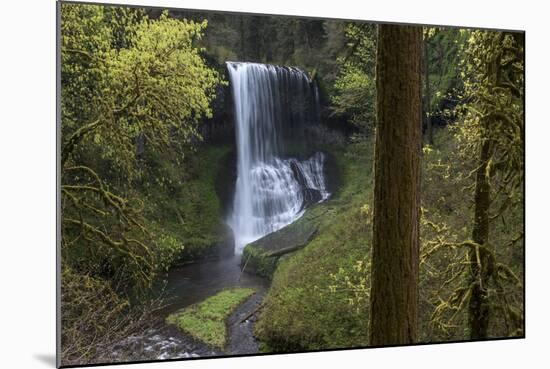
{"x": 262, "y": 256}
{"x": 299, "y": 311}
{"x": 447, "y": 200}
{"x": 206, "y": 321}
{"x": 183, "y": 203}
{"x": 256, "y": 261}
{"x": 303, "y": 311}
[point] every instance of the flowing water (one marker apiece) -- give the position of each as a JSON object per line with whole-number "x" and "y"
{"x": 271, "y": 192}
{"x": 272, "y": 104}
{"x": 187, "y": 285}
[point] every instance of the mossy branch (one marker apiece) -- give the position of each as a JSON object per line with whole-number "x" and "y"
{"x": 75, "y": 138}
{"x": 85, "y": 213}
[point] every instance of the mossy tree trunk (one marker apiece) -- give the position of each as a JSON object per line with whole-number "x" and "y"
{"x": 394, "y": 291}
{"x": 479, "y": 260}
{"x": 480, "y": 263}
{"x": 494, "y": 131}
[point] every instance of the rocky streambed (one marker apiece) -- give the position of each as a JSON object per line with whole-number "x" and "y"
{"x": 187, "y": 285}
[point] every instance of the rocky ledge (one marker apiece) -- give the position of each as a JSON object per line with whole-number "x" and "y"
{"x": 261, "y": 256}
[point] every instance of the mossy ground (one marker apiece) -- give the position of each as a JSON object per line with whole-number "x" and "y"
{"x": 206, "y": 321}
{"x": 309, "y": 307}
{"x": 299, "y": 311}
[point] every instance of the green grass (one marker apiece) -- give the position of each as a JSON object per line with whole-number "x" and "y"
{"x": 205, "y": 321}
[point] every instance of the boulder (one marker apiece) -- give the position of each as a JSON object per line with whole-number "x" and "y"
{"x": 261, "y": 256}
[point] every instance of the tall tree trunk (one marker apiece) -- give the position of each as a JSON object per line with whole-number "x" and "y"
{"x": 394, "y": 291}
{"x": 428, "y": 98}
{"x": 480, "y": 262}
{"x": 478, "y": 309}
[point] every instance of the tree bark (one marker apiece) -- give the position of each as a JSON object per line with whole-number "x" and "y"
{"x": 480, "y": 265}
{"x": 394, "y": 291}
{"x": 428, "y": 98}
{"x": 478, "y": 309}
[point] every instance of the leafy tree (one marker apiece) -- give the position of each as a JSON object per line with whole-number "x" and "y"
{"x": 127, "y": 82}
{"x": 442, "y": 52}
{"x": 490, "y": 137}
{"x": 354, "y": 86}
{"x": 158, "y": 88}
{"x": 493, "y": 128}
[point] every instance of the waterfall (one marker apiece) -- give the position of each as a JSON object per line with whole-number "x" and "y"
{"x": 272, "y": 103}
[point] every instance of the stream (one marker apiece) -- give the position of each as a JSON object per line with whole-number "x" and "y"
{"x": 187, "y": 285}
{"x": 272, "y": 104}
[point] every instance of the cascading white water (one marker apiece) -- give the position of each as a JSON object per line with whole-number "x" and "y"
{"x": 271, "y": 192}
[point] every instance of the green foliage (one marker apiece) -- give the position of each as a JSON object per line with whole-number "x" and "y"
{"x": 355, "y": 86}
{"x": 102, "y": 232}
{"x": 445, "y": 219}
{"x": 95, "y": 317}
{"x": 123, "y": 23}
{"x": 493, "y": 110}
{"x": 206, "y": 321}
{"x": 312, "y": 45}
{"x": 444, "y": 50}
{"x": 184, "y": 205}
{"x": 494, "y": 128}
{"x": 355, "y": 96}
{"x": 126, "y": 79}
{"x": 320, "y": 295}
{"x": 355, "y": 283}
{"x": 131, "y": 86}
{"x": 446, "y": 226}
{"x": 300, "y": 310}
{"x": 139, "y": 192}
{"x": 156, "y": 88}
{"x": 83, "y": 318}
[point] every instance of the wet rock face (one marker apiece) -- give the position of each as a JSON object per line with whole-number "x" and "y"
{"x": 225, "y": 182}
{"x": 221, "y": 127}
{"x": 298, "y": 174}
{"x": 311, "y": 196}
{"x": 226, "y": 243}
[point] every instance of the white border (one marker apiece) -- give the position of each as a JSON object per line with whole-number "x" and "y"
{"x": 28, "y": 181}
